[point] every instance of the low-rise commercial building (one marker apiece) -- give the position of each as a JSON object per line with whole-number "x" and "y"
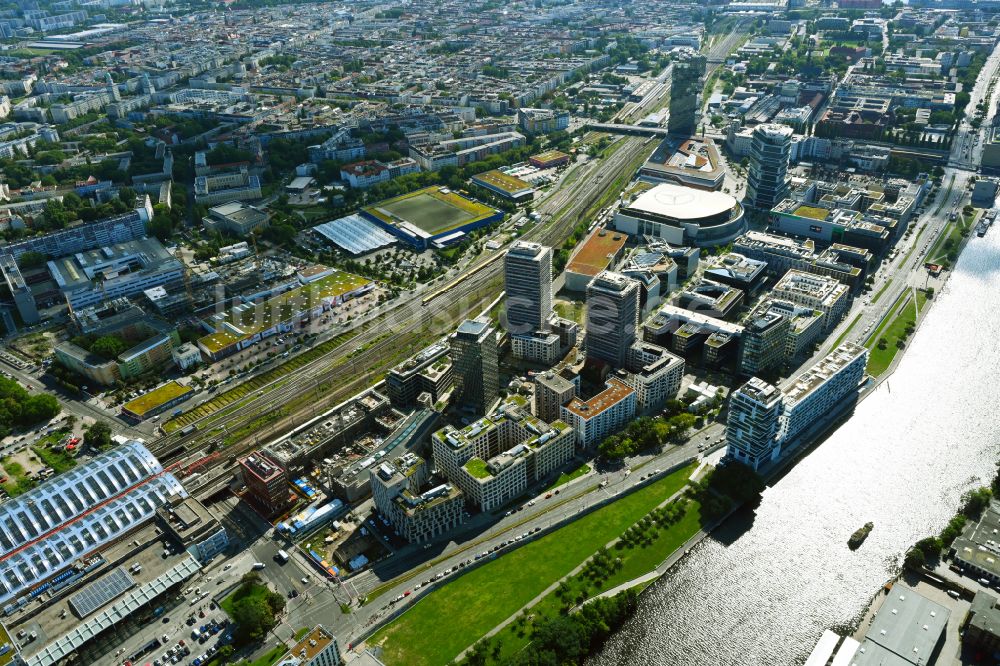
{"x": 711, "y": 299}
{"x": 908, "y": 630}
{"x": 235, "y": 219}
{"x": 601, "y": 250}
{"x": 126, "y": 269}
{"x": 982, "y": 624}
{"x": 977, "y": 550}
{"x": 690, "y": 161}
{"x": 193, "y": 526}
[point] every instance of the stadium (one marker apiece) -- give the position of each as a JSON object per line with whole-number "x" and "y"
{"x": 683, "y": 216}
{"x": 431, "y": 217}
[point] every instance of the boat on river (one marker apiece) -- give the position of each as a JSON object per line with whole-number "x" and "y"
{"x": 860, "y": 535}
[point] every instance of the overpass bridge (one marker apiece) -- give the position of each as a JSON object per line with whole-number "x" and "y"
{"x": 633, "y": 130}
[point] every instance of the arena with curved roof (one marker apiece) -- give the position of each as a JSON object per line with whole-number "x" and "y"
{"x": 47, "y": 529}
{"x": 683, "y": 216}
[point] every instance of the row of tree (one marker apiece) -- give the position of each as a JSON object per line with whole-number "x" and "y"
{"x": 564, "y": 639}
{"x": 18, "y": 408}
{"x": 647, "y": 433}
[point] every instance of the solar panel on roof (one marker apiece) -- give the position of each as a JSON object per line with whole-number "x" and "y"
{"x": 100, "y": 592}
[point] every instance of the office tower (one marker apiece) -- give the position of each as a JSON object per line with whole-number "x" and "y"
{"x": 266, "y": 482}
{"x": 762, "y": 345}
{"x": 612, "y": 317}
{"x": 752, "y": 430}
{"x": 767, "y": 182}
{"x": 474, "y": 356}
{"x": 685, "y": 93}
{"x": 112, "y": 87}
{"x": 528, "y": 286}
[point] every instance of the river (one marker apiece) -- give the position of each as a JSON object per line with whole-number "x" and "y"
{"x": 763, "y": 589}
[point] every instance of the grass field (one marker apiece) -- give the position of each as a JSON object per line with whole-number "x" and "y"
{"x": 893, "y": 329}
{"x": 948, "y": 242}
{"x": 445, "y": 622}
{"x": 635, "y": 562}
{"x": 566, "y": 477}
{"x": 431, "y": 210}
{"x": 430, "y": 214}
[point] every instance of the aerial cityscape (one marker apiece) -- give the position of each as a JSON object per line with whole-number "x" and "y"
{"x": 533, "y": 333}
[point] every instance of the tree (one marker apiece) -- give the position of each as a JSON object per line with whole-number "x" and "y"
{"x": 98, "y": 436}
{"x": 974, "y": 501}
{"x": 254, "y": 618}
{"x": 108, "y": 346}
{"x": 39, "y": 408}
{"x": 31, "y": 259}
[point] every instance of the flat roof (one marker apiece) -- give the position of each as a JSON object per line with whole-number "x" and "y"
{"x": 594, "y": 254}
{"x": 909, "y": 625}
{"x": 550, "y": 156}
{"x": 252, "y": 318}
{"x": 158, "y": 397}
{"x": 312, "y": 644}
{"x": 502, "y": 181}
{"x": 615, "y": 392}
{"x": 682, "y": 203}
{"x": 81, "y": 269}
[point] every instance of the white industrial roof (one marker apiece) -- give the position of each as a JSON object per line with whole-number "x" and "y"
{"x": 682, "y": 203}
{"x": 51, "y": 526}
{"x": 355, "y": 234}
{"x": 59, "y": 649}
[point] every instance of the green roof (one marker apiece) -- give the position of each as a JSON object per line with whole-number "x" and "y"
{"x": 158, "y": 397}
{"x": 477, "y": 468}
{"x": 257, "y": 317}
{"x": 812, "y": 212}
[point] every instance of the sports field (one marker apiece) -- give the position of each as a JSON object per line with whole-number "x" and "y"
{"x": 432, "y": 210}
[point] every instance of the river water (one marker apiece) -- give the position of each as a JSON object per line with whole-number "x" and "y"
{"x": 763, "y": 589}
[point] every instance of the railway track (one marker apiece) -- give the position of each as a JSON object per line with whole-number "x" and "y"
{"x": 400, "y": 332}
{"x": 403, "y": 330}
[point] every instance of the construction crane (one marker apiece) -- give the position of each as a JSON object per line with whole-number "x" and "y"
{"x": 187, "y": 285}
{"x": 256, "y": 252}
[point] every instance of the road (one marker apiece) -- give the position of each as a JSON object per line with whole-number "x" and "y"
{"x": 404, "y": 329}
{"x": 417, "y": 565}
{"x": 906, "y": 270}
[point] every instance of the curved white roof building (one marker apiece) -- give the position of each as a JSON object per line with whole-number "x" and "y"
{"x": 683, "y": 216}
{"x": 51, "y": 526}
